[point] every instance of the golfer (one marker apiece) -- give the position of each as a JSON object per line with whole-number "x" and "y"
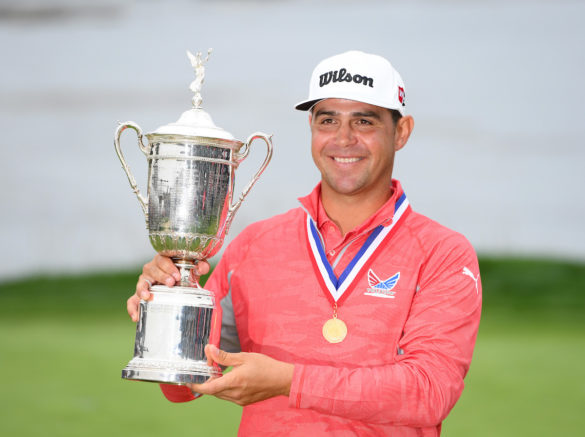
{"x": 351, "y": 314}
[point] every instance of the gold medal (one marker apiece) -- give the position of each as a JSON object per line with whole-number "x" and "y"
{"x": 334, "y": 330}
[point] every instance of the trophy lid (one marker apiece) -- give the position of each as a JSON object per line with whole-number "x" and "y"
{"x": 195, "y": 122}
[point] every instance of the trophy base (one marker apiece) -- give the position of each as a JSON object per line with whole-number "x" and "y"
{"x": 164, "y": 373}
{"x": 173, "y": 329}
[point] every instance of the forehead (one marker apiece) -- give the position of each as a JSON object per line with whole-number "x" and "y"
{"x": 345, "y": 106}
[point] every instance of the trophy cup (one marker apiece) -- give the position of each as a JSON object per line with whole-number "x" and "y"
{"x": 188, "y": 209}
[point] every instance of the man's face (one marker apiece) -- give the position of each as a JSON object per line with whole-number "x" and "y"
{"x": 353, "y": 146}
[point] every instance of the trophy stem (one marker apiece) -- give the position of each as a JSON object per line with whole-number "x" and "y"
{"x": 185, "y": 266}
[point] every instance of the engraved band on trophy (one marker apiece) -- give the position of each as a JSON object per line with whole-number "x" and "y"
{"x": 188, "y": 210}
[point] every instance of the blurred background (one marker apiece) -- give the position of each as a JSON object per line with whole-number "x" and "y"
{"x": 496, "y": 91}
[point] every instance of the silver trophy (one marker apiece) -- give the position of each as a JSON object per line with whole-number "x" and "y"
{"x": 188, "y": 211}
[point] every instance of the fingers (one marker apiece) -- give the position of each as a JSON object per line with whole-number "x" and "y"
{"x": 222, "y": 357}
{"x": 161, "y": 270}
{"x": 142, "y": 292}
{"x": 221, "y": 387}
{"x": 254, "y": 377}
{"x": 201, "y": 268}
{"x": 210, "y": 361}
{"x": 132, "y": 307}
{"x": 212, "y": 386}
{"x": 143, "y": 287}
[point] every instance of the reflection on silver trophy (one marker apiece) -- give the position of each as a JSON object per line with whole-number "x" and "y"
{"x": 188, "y": 211}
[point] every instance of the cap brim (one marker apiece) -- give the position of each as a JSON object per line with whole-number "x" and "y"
{"x": 307, "y": 104}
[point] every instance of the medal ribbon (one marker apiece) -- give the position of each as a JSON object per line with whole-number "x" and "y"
{"x": 336, "y": 287}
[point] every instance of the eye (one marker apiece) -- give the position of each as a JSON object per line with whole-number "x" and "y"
{"x": 364, "y": 122}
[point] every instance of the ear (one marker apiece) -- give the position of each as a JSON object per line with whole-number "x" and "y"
{"x": 402, "y": 132}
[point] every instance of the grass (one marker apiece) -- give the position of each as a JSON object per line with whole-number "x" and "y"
{"x": 64, "y": 380}
{"x": 64, "y": 341}
{"x": 525, "y": 380}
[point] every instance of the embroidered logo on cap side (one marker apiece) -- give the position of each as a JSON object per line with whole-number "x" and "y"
{"x": 401, "y": 96}
{"x": 379, "y": 288}
{"x": 342, "y": 75}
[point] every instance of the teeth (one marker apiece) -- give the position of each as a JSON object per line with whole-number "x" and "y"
{"x": 346, "y": 160}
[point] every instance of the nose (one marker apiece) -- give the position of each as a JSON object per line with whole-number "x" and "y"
{"x": 345, "y": 135}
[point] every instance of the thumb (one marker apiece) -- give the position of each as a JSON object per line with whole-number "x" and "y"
{"x": 221, "y": 357}
{"x": 201, "y": 268}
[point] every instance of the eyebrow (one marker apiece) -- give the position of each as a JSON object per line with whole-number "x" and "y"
{"x": 368, "y": 114}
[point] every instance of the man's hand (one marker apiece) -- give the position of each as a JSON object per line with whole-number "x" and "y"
{"x": 254, "y": 377}
{"x": 161, "y": 270}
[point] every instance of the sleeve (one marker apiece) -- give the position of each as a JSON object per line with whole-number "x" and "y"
{"x": 177, "y": 393}
{"x": 218, "y": 283}
{"x": 423, "y": 384}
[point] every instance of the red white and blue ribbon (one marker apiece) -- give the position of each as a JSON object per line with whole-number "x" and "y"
{"x": 337, "y": 287}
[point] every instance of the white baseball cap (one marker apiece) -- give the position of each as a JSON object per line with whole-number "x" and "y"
{"x": 359, "y": 76}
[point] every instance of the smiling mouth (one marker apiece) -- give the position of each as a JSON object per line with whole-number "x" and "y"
{"x": 345, "y": 160}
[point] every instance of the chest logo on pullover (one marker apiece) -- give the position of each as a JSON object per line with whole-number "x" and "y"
{"x": 381, "y": 288}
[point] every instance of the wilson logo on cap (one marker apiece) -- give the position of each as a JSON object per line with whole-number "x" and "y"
{"x": 342, "y": 75}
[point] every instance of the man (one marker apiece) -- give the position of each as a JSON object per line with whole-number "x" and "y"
{"x": 355, "y": 315}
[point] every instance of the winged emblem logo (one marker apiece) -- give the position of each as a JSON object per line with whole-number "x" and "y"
{"x": 381, "y": 288}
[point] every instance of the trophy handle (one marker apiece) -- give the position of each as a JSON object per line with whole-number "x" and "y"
{"x": 239, "y": 158}
{"x": 121, "y": 128}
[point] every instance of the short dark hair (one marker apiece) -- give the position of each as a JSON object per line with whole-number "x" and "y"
{"x": 396, "y": 115}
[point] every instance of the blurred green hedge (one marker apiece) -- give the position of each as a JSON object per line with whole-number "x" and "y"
{"x": 509, "y": 284}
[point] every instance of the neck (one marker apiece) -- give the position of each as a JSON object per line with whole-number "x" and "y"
{"x": 351, "y": 210}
